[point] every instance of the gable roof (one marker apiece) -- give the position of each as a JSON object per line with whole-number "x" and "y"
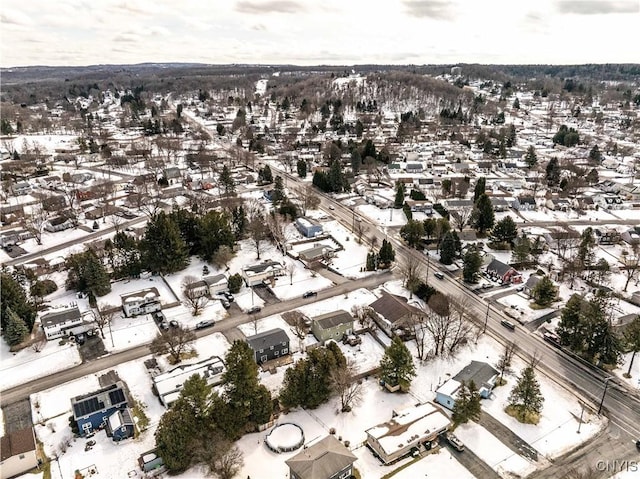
{"x": 499, "y": 267}
{"x": 17, "y": 442}
{"x": 477, "y": 371}
{"x": 105, "y": 398}
{"x": 215, "y": 279}
{"x": 267, "y": 338}
{"x": 261, "y": 267}
{"x": 60, "y": 316}
{"x": 393, "y": 307}
{"x": 322, "y": 460}
{"x": 333, "y": 319}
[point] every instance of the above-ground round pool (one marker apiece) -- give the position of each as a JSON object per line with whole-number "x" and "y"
{"x": 285, "y": 437}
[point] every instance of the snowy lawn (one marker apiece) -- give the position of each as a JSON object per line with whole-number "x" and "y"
{"x": 18, "y": 368}
{"x": 439, "y": 464}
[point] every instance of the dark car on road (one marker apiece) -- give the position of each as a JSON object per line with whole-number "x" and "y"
{"x": 207, "y": 323}
{"x": 254, "y": 310}
{"x": 310, "y": 294}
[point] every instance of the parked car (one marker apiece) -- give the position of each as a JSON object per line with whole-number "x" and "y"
{"x": 225, "y": 304}
{"x": 456, "y": 443}
{"x": 158, "y": 316}
{"x": 164, "y": 325}
{"x": 309, "y": 294}
{"x": 229, "y": 296}
{"x": 207, "y": 323}
{"x": 254, "y": 310}
{"x": 438, "y": 275}
{"x": 352, "y": 340}
{"x": 173, "y": 323}
{"x": 552, "y": 338}
{"x": 80, "y": 338}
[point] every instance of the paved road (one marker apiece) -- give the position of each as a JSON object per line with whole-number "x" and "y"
{"x": 22, "y": 391}
{"x": 621, "y": 403}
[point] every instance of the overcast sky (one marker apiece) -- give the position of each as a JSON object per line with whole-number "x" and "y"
{"x": 306, "y": 32}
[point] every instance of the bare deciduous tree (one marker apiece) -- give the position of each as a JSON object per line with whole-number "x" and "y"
{"x": 346, "y": 386}
{"x": 411, "y": 271}
{"x": 257, "y": 233}
{"x": 360, "y": 229}
{"x": 308, "y": 198}
{"x": 460, "y": 217}
{"x": 105, "y": 313}
{"x": 174, "y": 342}
{"x": 34, "y": 221}
{"x": 504, "y": 362}
{"x": 193, "y": 294}
{"x": 631, "y": 264}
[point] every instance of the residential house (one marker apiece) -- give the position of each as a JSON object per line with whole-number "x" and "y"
{"x": 21, "y": 188}
{"x": 326, "y": 459}
{"x": 414, "y": 168}
{"x": 525, "y": 203}
{"x": 456, "y": 204}
{"x": 407, "y": 429}
{"x": 11, "y": 213}
{"x": 394, "y": 314}
{"x": 216, "y": 283}
{"x": 483, "y": 375}
{"x": 259, "y": 273}
{"x": 308, "y": 227}
{"x": 54, "y": 203}
{"x": 120, "y": 425}
{"x": 563, "y": 239}
{"x": 500, "y": 204}
{"x": 59, "y": 223}
{"x": 144, "y": 301}
{"x": 607, "y": 236}
{"x": 172, "y": 174}
{"x": 531, "y": 283}
{"x": 13, "y": 237}
{"x": 333, "y": 325}
{"x": 64, "y": 322}
{"x": 609, "y": 202}
{"x": 631, "y": 236}
{"x": 269, "y": 345}
{"x": 91, "y": 411}
{"x": 424, "y": 206}
{"x": 558, "y": 204}
{"x": 168, "y": 385}
{"x": 507, "y": 273}
{"x": 18, "y": 451}
{"x": 197, "y": 289}
{"x": 318, "y": 252}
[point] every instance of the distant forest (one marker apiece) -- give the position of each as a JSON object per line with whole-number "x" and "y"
{"x": 32, "y": 85}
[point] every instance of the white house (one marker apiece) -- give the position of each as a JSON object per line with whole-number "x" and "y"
{"x": 168, "y": 385}
{"x": 19, "y": 453}
{"x": 64, "y": 322}
{"x": 144, "y": 301}
{"x": 258, "y": 273}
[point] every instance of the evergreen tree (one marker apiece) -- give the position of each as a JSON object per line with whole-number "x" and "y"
{"x": 301, "y": 166}
{"x": 86, "y": 273}
{"x": 15, "y": 330}
{"x": 164, "y": 250}
{"x": 522, "y": 250}
{"x": 472, "y": 262}
{"x": 356, "y": 161}
{"x": 632, "y": 340}
{"x": 526, "y": 397}
{"x": 504, "y": 231}
{"x": 530, "y": 157}
{"x": 399, "y": 199}
{"x": 386, "y": 256}
{"x": 235, "y": 283}
{"x": 337, "y": 181}
{"x": 553, "y": 172}
{"x": 308, "y": 383}
{"x": 594, "y": 155}
{"x": 481, "y": 186}
{"x": 484, "y": 215}
{"x": 239, "y": 222}
{"x": 396, "y": 366}
{"x": 13, "y": 297}
{"x": 412, "y": 232}
{"x": 372, "y": 261}
{"x": 467, "y": 405}
{"x": 448, "y": 251}
{"x": 516, "y": 104}
{"x": 249, "y": 401}
{"x": 570, "y": 329}
{"x": 227, "y": 182}
{"x": 265, "y": 175}
{"x": 544, "y": 292}
{"x": 278, "y": 195}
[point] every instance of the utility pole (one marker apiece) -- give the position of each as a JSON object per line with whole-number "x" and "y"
{"x": 486, "y": 318}
{"x": 604, "y": 393}
{"x": 581, "y": 413}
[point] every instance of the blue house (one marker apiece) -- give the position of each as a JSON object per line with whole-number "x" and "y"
{"x": 483, "y": 375}
{"x": 308, "y": 227}
{"x": 92, "y": 411}
{"x": 120, "y": 425}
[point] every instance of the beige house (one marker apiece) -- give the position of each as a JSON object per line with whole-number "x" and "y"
{"x": 18, "y": 451}
{"x": 327, "y": 459}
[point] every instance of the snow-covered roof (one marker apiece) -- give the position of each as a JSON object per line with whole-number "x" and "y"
{"x": 170, "y": 384}
{"x": 408, "y": 426}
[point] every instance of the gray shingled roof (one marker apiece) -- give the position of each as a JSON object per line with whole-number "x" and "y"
{"x": 477, "y": 371}
{"x": 322, "y": 460}
{"x": 333, "y": 319}
{"x": 267, "y": 338}
{"x": 393, "y": 307}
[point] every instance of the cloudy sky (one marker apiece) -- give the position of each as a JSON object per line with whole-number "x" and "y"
{"x": 306, "y": 32}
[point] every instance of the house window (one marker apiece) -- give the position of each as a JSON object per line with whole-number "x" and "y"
{"x": 261, "y": 351}
{"x": 21, "y": 456}
{"x": 271, "y": 348}
{"x": 276, "y": 353}
{"x": 285, "y": 350}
